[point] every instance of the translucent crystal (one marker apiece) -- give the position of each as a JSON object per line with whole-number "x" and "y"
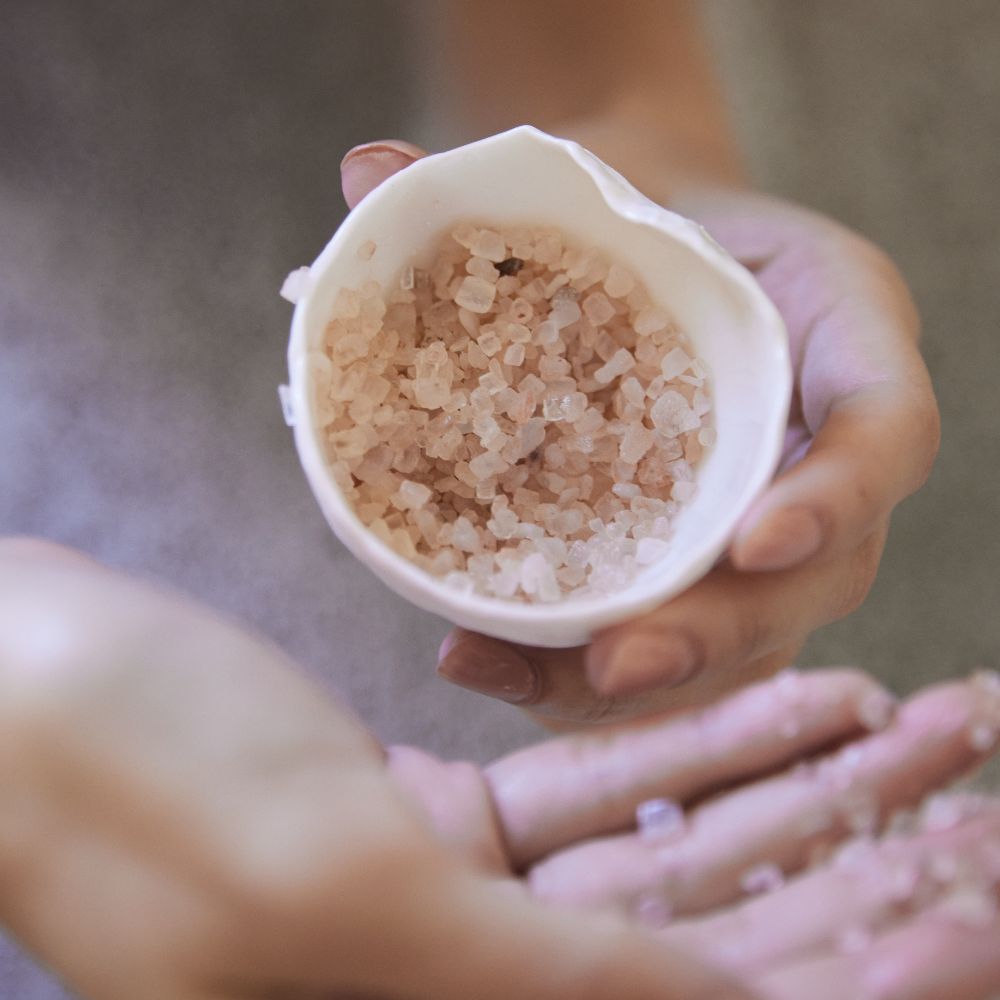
{"x": 660, "y": 820}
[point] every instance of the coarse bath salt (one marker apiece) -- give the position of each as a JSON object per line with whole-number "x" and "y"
{"x": 518, "y": 418}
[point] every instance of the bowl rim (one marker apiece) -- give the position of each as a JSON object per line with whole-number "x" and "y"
{"x": 431, "y": 592}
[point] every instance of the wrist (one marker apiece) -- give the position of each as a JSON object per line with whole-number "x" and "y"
{"x": 664, "y": 152}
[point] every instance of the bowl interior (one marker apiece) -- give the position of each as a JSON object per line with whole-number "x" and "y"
{"x": 527, "y": 178}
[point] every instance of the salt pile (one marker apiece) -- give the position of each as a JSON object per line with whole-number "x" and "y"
{"x": 518, "y": 418}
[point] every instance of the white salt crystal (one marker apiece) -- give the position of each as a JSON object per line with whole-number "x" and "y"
{"x": 295, "y": 285}
{"x": 650, "y": 550}
{"x": 464, "y": 535}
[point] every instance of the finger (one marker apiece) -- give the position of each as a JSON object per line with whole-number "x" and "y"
{"x": 942, "y": 953}
{"x": 577, "y": 787}
{"x": 874, "y": 448}
{"x": 366, "y": 166}
{"x": 724, "y": 623}
{"x": 868, "y": 887}
{"x": 486, "y": 941}
{"x": 728, "y": 619}
{"x": 865, "y": 397}
{"x": 784, "y": 820}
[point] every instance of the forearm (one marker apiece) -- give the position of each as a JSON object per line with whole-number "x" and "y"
{"x": 634, "y": 82}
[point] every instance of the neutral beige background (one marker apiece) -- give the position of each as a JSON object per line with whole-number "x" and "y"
{"x": 163, "y": 163}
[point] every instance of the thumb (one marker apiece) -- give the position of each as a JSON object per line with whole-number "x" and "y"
{"x": 366, "y": 166}
{"x": 493, "y": 942}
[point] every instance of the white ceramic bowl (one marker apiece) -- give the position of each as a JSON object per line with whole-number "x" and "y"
{"x": 527, "y": 177}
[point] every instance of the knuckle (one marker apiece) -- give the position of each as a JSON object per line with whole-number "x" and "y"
{"x": 755, "y": 633}
{"x": 862, "y": 570}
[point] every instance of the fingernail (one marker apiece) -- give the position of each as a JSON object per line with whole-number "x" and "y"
{"x": 640, "y": 661}
{"x": 781, "y": 540}
{"x": 490, "y": 669}
{"x": 366, "y": 166}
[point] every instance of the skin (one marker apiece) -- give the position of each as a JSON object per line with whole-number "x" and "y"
{"x": 864, "y": 428}
{"x": 175, "y": 785}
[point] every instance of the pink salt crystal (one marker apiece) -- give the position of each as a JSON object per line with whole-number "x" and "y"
{"x": 488, "y": 464}
{"x": 675, "y": 362}
{"x": 632, "y": 390}
{"x": 564, "y": 313}
{"x": 431, "y": 393}
{"x": 347, "y": 304}
{"x": 650, "y": 320}
{"x": 482, "y": 268}
{"x": 489, "y": 244}
{"x": 489, "y": 343}
{"x": 348, "y": 349}
{"x": 476, "y": 294}
{"x": 636, "y": 442}
{"x": 620, "y": 363}
{"x": 598, "y": 309}
{"x": 619, "y": 282}
{"x": 546, "y": 333}
{"x": 514, "y": 355}
{"x": 672, "y": 415}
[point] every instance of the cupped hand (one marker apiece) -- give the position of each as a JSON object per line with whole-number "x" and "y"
{"x": 862, "y": 435}
{"x": 176, "y": 786}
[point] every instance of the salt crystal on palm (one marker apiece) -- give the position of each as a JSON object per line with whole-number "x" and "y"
{"x": 660, "y": 820}
{"x": 683, "y": 492}
{"x": 761, "y": 878}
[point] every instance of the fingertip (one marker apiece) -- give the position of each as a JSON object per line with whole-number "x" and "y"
{"x": 489, "y": 667}
{"x": 366, "y": 166}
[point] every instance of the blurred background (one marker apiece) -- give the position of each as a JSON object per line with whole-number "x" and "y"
{"x": 165, "y": 163}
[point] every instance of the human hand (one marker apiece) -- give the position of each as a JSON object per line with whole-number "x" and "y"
{"x": 173, "y": 785}
{"x": 862, "y": 435}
